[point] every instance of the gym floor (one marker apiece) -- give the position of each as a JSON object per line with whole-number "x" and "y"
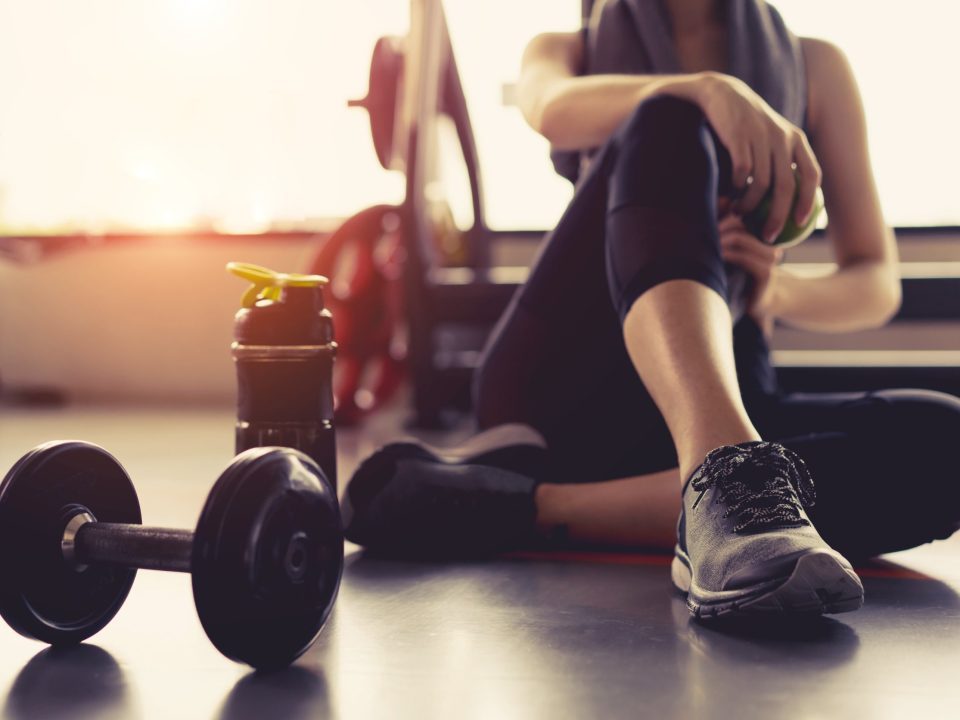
{"x": 550, "y": 636}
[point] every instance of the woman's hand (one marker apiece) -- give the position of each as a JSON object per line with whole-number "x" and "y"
{"x": 763, "y": 148}
{"x": 739, "y": 247}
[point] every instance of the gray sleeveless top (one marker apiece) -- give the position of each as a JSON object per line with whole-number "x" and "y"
{"x": 634, "y": 37}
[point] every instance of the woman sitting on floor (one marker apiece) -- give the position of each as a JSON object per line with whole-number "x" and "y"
{"x": 630, "y": 378}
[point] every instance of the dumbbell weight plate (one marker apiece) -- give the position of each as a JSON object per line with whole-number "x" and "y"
{"x": 267, "y": 557}
{"x": 41, "y": 596}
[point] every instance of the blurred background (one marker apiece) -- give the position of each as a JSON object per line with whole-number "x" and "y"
{"x": 231, "y": 116}
{"x": 143, "y": 144}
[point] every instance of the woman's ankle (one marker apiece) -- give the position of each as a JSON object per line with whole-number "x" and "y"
{"x": 545, "y": 500}
{"x": 694, "y": 453}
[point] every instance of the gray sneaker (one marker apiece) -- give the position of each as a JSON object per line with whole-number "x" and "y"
{"x": 746, "y": 545}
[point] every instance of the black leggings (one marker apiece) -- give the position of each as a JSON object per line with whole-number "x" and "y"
{"x": 883, "y": 462}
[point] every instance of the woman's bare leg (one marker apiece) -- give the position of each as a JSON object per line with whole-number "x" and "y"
{"x": 637, "y": 511}
{"x": 680, "y": 339}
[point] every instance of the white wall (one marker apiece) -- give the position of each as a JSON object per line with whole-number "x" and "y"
{"x": 146, "y": 320}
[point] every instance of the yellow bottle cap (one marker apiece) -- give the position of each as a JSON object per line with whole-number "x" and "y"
{"x": 268, "y": 284}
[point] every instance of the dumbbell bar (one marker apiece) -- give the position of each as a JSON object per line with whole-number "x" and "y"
{"x": 266, "y": 556}
{"x": 86, "y": 541}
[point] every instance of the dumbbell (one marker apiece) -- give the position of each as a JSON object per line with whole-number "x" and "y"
{"x": 265, "y": 558}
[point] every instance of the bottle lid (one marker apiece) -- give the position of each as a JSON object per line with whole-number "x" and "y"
{"x": 281, "y": 308}
{"x": 269, "y": 284}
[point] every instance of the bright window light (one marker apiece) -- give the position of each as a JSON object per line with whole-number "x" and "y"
{"x": 905, "y": 59}
{"x": 230, "y": 115}
{"x": 223, "y": 115}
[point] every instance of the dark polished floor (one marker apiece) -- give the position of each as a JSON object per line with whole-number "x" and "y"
{"x": 531, "y": 636}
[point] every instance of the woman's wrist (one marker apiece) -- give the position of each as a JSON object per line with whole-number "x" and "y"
{"x": 779, "y": 291}
{"x": 703, "y": 87}
{"x": 765, "y": 315}
{"x": 694, "y": 87}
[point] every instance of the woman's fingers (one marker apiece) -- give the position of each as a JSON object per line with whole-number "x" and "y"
{"x": 758, "y": 259}
{"x": 742, "y": 244}
{"x": 759, "y": 270}
{"x": 763, "y": 148}
{"x": 760, "y": 174}
{"x": 741, "y": 160}
{"x": 734, "y": 232}
{"x": 730, "y": 222}
{"x": 809, "y": 176}
{"x": 784, "y": 187}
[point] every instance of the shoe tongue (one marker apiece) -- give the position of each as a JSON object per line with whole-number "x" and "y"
{"x": 753, "y": 465}
{"x": 757, "y": 481}
{"x": 759, "y": 474}
{"x": 769, "y": 490}
{"x": 723, "y": 455}
{"x": 736, "y": 455}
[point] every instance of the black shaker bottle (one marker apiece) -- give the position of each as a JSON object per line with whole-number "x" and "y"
{"x": 283, "y": 349}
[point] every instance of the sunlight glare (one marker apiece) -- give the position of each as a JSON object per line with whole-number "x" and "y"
{"x": 230, "y": 115}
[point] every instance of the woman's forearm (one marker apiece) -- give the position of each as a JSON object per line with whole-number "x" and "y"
{"x": 855, "y": 297}
{"x": 582, "y": 112}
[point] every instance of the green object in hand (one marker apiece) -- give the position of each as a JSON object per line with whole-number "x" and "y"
{"x": 792, "y": 233}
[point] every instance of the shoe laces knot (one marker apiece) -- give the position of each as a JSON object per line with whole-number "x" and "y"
{"x": 764, "y": 484}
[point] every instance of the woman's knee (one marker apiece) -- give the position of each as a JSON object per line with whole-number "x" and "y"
{"x": 662, "y": 115}
{"x": 661, "y": 213}
{"x": 666, "y": 157}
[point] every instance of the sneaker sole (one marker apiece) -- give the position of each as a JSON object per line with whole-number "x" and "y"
{"x": 818, "y": 584}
